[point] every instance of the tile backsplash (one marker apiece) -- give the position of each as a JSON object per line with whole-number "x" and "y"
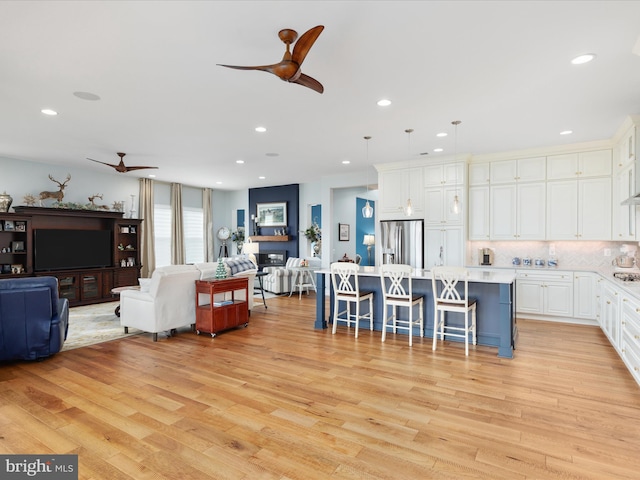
{"x": 569, "y": 254}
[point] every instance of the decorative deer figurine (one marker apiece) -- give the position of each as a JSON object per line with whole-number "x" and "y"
{"x": 93, "y": 197}
{"x": 59, "y": 195}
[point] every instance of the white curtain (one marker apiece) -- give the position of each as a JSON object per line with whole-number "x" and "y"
{"x": 147, "y": 254}
{"x": 207, "y": 214}
{"x": 177, "y": 230}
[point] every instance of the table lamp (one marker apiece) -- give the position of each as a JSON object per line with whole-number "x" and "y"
{"x": 369, "y": 241}
{"x": 251, "y": 248}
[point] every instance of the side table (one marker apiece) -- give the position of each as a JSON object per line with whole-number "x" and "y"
{"x": 259, "y": 276}
{"x": 116, "y": 293}
{"x": 215, "y": 311}
{"x": 301, "y": 279}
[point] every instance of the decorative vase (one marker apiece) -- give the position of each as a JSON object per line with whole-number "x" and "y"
{"x": 317, "y": 248}
{"x": 239, "y": 247}
{"x": 5, "y": 202}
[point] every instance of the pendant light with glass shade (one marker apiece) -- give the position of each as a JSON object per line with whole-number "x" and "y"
{"x": 367, "y": 210}
{"x": 408, "y": 209}
{"x": 455, "y": 207}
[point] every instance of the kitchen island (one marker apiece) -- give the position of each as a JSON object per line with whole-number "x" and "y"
{"x": 493, "y": 290}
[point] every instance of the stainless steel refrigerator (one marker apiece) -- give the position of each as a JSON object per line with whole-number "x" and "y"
{"x": 403, "y": 242}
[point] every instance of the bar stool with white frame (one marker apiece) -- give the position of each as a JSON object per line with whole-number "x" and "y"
{"x": 397, "y": 290}
{"x": 344, "y": 278}
{"x": 447, "y": 298}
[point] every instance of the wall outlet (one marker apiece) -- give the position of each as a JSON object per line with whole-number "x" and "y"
{"x": 607, "y": 252}
{"x": 552, "y": 250}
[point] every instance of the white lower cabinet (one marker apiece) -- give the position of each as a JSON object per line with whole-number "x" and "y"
{"x": 610, "y": 312}
{"x": 585, "y": 295}
{"x": 630, "y": 336}
{"x": 544, "y": 293}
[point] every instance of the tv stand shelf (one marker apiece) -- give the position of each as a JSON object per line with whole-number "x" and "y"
{"x": 82, "y": 285}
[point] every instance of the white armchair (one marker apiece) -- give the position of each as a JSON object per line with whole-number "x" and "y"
{"x": 168, "y": 302}
{"x": 278, "y": 279}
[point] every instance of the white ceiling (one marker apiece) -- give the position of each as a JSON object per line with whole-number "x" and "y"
{"x": 502, "y": 68}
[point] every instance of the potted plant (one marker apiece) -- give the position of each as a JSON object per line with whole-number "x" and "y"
{"x": 237, "y": 236}
{"x": 314, "y": 235}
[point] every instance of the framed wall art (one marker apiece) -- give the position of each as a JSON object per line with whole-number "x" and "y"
{"x": 343, "y": 229}
{"x": 272, "y": 214}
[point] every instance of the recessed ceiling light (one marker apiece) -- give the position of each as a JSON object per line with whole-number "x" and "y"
{"x": 438, "y": 149}
{"x": 261, "y": 177}
{"x": 261, "y": 129}
{"x": 384, "y": 102}
{"x": 240, "y": 161}
{"x": 86, "y": 96}
{"x": 346, "y": 162}
{"x": 48, "y": 111}
{"x": 585, "y": 58}
{"x": 151, "y": 175}
{"x": 441, "y": 134}
{"x": 566, "y": 132}
{"x": 218, "y": 182}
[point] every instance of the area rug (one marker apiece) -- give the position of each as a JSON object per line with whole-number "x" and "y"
{"x": 93, "y": 324}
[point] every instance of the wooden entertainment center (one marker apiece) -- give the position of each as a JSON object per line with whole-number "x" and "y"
{"x": 82, "y": 286}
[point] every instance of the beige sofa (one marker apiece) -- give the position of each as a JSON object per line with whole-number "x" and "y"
{"x": 278, "y": 279}
{"x": 166, "y": 301}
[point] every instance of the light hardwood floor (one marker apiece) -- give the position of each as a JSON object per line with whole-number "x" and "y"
{"x": 282, "y": 400}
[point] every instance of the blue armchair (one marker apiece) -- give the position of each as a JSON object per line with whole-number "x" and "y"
{"x": 33, "y": 320}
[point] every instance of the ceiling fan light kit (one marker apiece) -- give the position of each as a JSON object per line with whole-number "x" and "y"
{"x": 289, "y": 68}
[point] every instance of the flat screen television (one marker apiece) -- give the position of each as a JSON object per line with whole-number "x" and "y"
{"x": 55, "y": 249}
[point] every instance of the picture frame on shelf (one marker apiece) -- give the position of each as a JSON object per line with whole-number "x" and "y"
{"x": 17, "y": 246}
{"x": 17, "y": 268}
{"x": 124, "y": 229}
{"x": 6, "y": 268}
{"x": 343, "y": 232}
{"x": 21, "y": 226}
{"x": 272, "y": 214}
{"x": 9, "y": 226}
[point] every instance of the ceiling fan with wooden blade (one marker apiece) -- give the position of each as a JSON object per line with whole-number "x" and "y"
{"x": 120, "y": 167}
{"x": 289, "y": 68}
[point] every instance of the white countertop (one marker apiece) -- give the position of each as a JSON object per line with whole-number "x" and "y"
{"x": 475, "y": 275}
{"x": 631, "y": 288}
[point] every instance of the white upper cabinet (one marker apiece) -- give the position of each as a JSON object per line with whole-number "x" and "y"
{"x": 518, "y": 211}
{"x": 579, "y": 165}
{"x": 396, "y": 187}
{"x": 626, "y": 152}
{"x": 521, "y": 170}
{"x": 444, "y": 174}
{"x": 579, "y": 210}
{"x": 479, "y": 173}
{"x": 479, "y": 213}
{"x": 438, "y": 208}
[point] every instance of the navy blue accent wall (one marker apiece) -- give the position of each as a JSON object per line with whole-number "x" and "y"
{"x": 240, "y": 219}
{"x": 281, "y": 193}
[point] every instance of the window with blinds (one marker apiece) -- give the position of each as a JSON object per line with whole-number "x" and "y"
{"x": 193, "y": 223}
{"x": 162, "y": 234}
